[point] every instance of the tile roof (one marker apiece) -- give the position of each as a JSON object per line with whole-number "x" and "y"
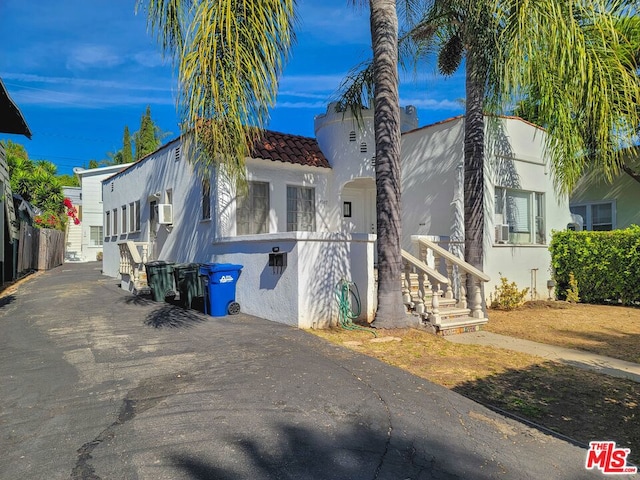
{"x": 287, "y": 148}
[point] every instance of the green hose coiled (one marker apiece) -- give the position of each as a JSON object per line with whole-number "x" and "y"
{"x": 348, "y": 297}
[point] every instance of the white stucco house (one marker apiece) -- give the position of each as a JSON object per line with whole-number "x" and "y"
{"x": 313, "y": 200}
{"x": 73, "y": 232}
{"x": 85, "y": 242}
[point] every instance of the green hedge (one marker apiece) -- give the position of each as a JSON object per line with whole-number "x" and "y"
{"x": 606, "y": 265}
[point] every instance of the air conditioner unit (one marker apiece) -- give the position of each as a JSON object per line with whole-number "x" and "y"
{"x": 502, "y": 233}
{"x": 165, "y": 213}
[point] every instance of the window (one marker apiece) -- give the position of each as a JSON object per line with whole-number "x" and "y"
{"x": 95, "y": 236}
{"x": 301, "y": 209}
{"x": 252, "y": 213}
{"x": 132, "y": 217}
{"x": 107, "y": 223}
{"x": 124, "y": 219}
{"x": 115, "y": 221}
{"x": 596, "y": 216}
{"x": 137, "y": 214}
{"x": 206, "y": 199}
{"x": 519, "y": 216}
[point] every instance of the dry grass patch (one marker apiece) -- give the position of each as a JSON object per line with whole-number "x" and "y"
{"x": 582, "y": 405}
{"x": 432, "y": 357}
{"x": 603, "y": 329}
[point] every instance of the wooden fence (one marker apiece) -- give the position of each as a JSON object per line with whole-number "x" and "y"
{"x": 39, "y": 248}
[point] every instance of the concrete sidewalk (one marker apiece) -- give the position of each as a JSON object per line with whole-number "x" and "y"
{"x": 98, "y": 384}
{"x": 576, "y": 358}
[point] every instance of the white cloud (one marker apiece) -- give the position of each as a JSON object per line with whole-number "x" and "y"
{"x": 92, "y": 56}
{"x": 302, "y": 105}
{"x": 432, "y": 104}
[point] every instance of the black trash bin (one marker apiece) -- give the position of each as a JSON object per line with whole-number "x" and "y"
{"x": 222, "y": 279}
{"x": 160, "y": 279}
{"x": 188, "y": 282}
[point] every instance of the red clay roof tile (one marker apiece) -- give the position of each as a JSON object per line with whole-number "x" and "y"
{"x": 287, "y": 148}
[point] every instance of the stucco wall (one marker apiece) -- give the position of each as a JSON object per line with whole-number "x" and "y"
{"x": 92, "y": 205}
{"x": 303, "y": 293}
{"x": 516, "y": 159}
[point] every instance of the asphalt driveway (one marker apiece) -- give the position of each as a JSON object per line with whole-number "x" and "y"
{"x": 98, "y": 384}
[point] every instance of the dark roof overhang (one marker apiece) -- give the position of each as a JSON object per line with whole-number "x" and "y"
{"x": 11, "y": 119}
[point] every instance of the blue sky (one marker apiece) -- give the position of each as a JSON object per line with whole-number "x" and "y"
{"x": 80, "y": 70}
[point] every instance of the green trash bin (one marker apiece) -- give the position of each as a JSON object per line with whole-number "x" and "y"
{"x": 188, "y": 282}
{"x": 160, "y": 280}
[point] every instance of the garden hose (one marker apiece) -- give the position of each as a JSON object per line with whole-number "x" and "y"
{"x": 347, "y": 295}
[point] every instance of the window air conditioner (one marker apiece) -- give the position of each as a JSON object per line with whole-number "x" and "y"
{"x": 165, "y": 214}
{"x": 502, "y": 233}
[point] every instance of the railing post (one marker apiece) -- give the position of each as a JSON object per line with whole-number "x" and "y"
{"x": 434, "y": 315}
{"x": 449, "y": 293}
{"x": 462, "y": 301}
{"x": 476, "y": 307}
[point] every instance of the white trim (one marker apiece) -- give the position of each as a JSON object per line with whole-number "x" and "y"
{"x": 588, "y": 221}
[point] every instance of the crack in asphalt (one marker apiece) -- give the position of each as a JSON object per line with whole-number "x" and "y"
{"x": 149, "y": 393}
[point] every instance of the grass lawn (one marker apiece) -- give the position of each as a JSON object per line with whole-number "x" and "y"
{"x": 607, "y": 330}
{"x": 580, "y": 404}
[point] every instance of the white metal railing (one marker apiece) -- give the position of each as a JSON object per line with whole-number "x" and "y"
{"x": 457, "y": 271}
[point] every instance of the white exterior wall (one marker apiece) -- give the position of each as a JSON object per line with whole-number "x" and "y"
{"x": 91, "y": 185}
{"x": 431, "y": 158}
{"x": 189, "y": 238}
{"x": 523, "y": 168}
{"x": 279, "y": 175}
{"x": 303, "y": 294}
{"x": 432, "y": 194}
{"x": 349, "y": 163}
{"x": 73, "y": 233}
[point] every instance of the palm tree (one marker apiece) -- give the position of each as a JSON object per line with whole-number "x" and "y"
{"x": 230, "y": 54}
{"x": 578, "y": 61}
{"x": 384, "y": 39}
{"x": 465, "y": 29}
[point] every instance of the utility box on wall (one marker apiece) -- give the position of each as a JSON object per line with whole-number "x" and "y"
{"x": 278, "y": 261}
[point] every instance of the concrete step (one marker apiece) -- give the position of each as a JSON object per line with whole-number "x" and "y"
{"x": 460, "y": 325}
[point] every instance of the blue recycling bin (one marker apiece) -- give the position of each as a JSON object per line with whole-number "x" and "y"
{"x": 223, "y": 278}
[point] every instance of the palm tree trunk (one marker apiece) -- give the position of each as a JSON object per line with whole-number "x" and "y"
{"x": 384, "y": 35}
{"x": 474, "y": 163}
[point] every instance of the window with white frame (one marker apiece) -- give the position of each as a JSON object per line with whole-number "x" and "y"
{"x": 301, "y": 209}
{"x": 519, "y": 216}
{"x": 95, "y": 236}
{"x": 599, "y": 216}
{"x": 137, "y": 215}
{"x": 252, "y": 212}
{"x": 115, "y": 221}
{"x": 107, "y": 223}
{"x": 124, "y": 219}
{"x": 132, "y": 217}
{"x": 206, "y": 199}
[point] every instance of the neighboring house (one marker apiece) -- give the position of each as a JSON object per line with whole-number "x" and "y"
{"x": 605, "y": 205}
{"x": 11, "y": 121}
{"x": 91, "y": 233}
{"x": 314, "y": 201}
{"x": 73, "y": 232}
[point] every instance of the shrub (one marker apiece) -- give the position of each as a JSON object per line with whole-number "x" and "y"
{"x": 573, "y": 294}
{"x": 606, "y": 265}
{"x": 507, "y": 295}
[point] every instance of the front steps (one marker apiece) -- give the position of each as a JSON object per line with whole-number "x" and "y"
{"x": 451, "y": 319}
